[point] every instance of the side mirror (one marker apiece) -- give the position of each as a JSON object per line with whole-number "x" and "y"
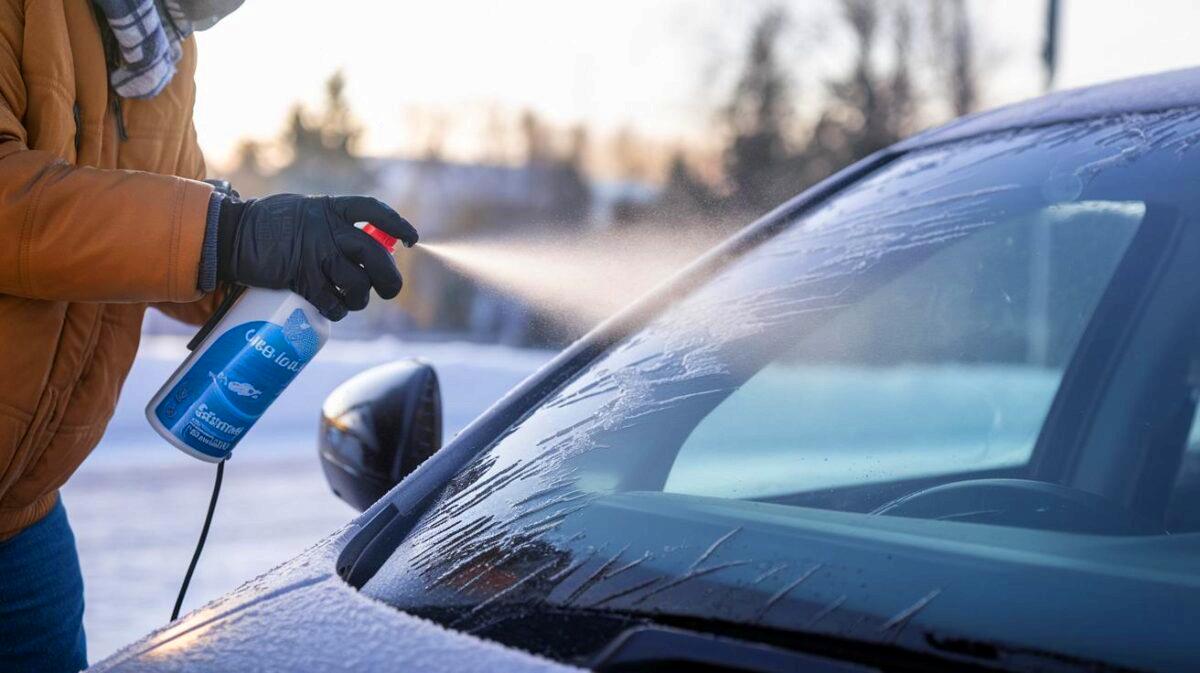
{"x": 377, "y": 427}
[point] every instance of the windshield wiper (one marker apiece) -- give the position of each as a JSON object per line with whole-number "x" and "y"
{"x": 659, "y": 648}
{"x": 608, "y": 640}
{"x": 854, "y": 655}
{"x": 612, "y": 640}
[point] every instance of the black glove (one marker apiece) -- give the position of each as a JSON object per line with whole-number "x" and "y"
{"x": 309, "y": 245}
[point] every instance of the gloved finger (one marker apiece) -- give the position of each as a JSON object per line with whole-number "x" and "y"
{"x": 368, "y": 209}
{"x": 365, "y": 251}
{"x": 329, "y": 302}
{"x": 352, "y": 281}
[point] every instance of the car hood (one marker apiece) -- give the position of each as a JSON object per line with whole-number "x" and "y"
{"x": 302, "y": 617}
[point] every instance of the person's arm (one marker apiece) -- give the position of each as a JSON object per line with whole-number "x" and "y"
{"x": 199, "y": 311}
{"x": 191, "y": 165}
{"x": 85, "y": 234}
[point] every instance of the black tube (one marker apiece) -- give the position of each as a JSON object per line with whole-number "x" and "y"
{"x": 212, "y": 506}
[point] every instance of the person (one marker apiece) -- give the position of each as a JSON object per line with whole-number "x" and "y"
{"x": 103, "y": 212}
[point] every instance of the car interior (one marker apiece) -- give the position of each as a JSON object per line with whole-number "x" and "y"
{"x": 991, "y": 467}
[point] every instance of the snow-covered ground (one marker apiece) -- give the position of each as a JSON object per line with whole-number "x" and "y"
{"x": 137, "y": 504}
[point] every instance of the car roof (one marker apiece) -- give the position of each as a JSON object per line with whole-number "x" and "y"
{"x": 1163, "y": 91}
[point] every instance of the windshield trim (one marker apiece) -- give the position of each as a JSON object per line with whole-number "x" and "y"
{"x": 1103, "y": 345}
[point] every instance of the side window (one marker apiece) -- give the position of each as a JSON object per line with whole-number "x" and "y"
{"x": 949, "y": 367}
{"x": 1183, "y": 510}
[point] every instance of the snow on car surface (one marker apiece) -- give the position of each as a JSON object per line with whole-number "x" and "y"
{"x": 136, "y": 505}
{"x": 315, "y": 622}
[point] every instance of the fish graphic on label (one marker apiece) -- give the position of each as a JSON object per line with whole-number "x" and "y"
{"x": 233, "y": 381}
{"x": 240, "y": 388}
{"x": 243, "y": 389}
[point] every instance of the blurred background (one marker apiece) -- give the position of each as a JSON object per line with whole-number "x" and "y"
{"x": 597, "y": 126}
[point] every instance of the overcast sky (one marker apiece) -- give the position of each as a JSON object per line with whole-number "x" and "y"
{"x": 655, "y": 64}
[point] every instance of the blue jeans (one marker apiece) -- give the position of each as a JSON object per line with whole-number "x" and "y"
{"x": 41, "y": 599}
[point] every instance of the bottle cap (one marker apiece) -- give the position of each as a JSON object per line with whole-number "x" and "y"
{"x": 385, "y": 239}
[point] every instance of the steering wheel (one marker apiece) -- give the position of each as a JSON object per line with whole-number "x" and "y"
{"x": 1024, "y": 503}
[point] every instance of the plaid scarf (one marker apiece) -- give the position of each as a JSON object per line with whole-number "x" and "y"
{"x": 148, "y": 33}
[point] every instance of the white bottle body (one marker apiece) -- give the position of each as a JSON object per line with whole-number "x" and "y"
{"x": 259, "y": 346}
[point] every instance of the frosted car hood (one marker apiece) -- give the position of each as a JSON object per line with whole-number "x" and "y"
{"x": 303, "y": 617}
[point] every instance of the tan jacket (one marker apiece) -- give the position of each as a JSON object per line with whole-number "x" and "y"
{"x": 92, "y": 228}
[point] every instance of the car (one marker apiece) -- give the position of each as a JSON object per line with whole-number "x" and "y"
{"x": 934, "y": 413}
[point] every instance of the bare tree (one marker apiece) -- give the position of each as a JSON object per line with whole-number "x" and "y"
{"x": 686, "y": 196}
{"x": 538, "y": 145}
{"x": 322, "y": 147}
{"x": 902, "y": 98}
{"x": 428, "y": 127}
{"x": 758, "y": 117}
{"x": 629, "y": 155}
{"x": 860, "y": 92}
{"x": 884, "y": 103}
{"x": 248, "y": 176}
{"x": 954, "y": 54}
{"x": 498, "y": 137}
{"x": 339, "y": 129}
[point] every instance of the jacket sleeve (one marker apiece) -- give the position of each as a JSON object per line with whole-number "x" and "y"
{"x": 193, "y": 312}
{"x": 198, "y": 311}
{"x": 86, "y": 234}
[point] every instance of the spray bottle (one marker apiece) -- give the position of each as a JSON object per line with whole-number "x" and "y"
{"x": 242, "y": 359}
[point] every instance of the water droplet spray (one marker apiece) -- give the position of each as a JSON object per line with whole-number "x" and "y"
{"x": 581, "y": 277}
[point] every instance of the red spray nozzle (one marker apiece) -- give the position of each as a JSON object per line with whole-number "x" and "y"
{"x": 385, "y": 239}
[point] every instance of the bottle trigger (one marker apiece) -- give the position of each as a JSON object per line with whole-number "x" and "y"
{"x": 385, "y": 239}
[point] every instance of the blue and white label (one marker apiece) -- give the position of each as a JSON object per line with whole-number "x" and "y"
{"x": 232, "y": 383}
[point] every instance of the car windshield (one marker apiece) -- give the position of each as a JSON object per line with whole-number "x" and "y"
{"x": 838, "y": 432}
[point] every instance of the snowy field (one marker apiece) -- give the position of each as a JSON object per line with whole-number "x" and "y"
{"x": 137, "y": 504}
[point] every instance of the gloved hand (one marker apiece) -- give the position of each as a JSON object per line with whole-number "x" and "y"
{"x": 309, "y": 245}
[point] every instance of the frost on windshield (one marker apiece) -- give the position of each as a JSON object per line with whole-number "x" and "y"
{"x": 567, "y": 508}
